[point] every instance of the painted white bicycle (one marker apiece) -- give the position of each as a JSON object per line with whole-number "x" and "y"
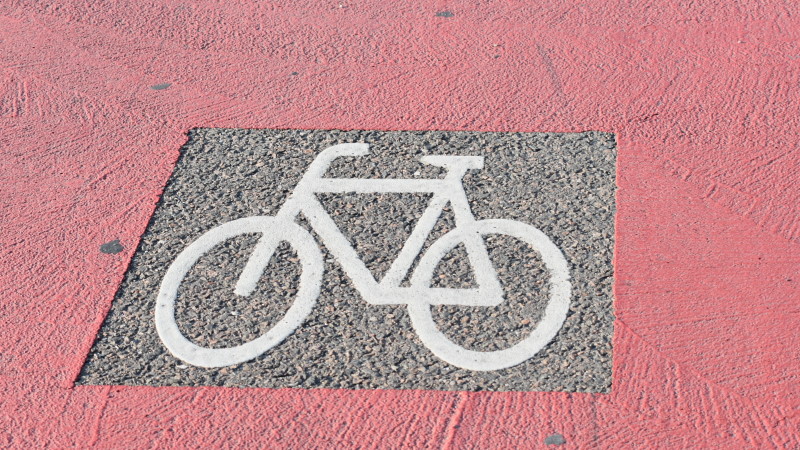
{"x": 418, "y": 296}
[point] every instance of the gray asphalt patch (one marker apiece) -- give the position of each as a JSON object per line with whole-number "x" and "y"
{"x": 112, "y": 247}
{"x": 561, "y": 183}
{"x": 555, "y": 439}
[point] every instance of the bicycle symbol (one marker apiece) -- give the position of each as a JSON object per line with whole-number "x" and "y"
{"x": 418, "y": 296}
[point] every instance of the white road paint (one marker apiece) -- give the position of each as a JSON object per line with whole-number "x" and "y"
{"x": 418, "y": 297}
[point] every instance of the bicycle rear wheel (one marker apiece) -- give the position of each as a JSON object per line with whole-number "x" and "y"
{"x": 551, "y": 322}
{"x": 278, "y": 231}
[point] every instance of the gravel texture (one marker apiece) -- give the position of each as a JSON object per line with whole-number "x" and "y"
{"x": 561, "y": 183}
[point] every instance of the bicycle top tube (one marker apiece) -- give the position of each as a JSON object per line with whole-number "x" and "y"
{"x": 380, "y": 185}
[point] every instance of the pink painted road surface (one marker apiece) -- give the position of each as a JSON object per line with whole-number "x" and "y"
{"x": 703, "y": 97}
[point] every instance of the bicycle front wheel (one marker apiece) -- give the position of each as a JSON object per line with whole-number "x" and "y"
{"x": 310, "y": 282}
{"x": 555, "y": 311}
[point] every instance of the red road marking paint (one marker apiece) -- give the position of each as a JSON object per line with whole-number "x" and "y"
{"x": 703, "y": 98}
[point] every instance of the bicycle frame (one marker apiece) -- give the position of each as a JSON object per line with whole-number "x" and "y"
{"x": 387, "y": 291}
{"x": 418, "y": 297}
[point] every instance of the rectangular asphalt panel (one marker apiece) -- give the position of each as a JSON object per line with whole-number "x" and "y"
{"x": 331, "y": 307}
